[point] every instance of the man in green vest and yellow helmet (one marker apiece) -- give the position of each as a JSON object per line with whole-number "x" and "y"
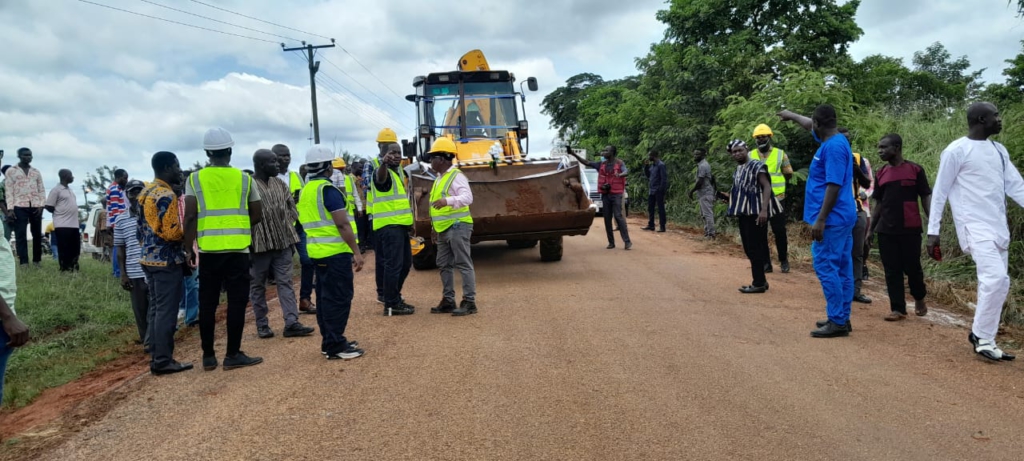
{"x": 779, "y": 171}
{"x": 330, "y": 240}
{"x": 450, "y": 198}
{"x": 392, "y": 224}
{"x": 221, "y": 206}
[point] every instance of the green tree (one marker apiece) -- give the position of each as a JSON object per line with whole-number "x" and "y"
{"x": 562, "y": 105}
{"x": 97, "y": 183}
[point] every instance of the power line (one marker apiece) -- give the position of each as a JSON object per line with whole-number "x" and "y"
{"x": 350, "y": 91}
{"x": 361, "y": 85}
{"x": 178, "y": 23}
{"x": 367, "y": 116}
{"x": 258, "y": 19}
{"x": 385, "y": 85}
{"x": 222, "y": 22}
{"x": 378, "y": 119}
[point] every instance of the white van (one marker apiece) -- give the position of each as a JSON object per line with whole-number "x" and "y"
{"x": 91, "y": 224}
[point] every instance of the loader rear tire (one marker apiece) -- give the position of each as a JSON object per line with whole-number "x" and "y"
{"x": 426, "y": 259}
{"x": 551, "y": 249}
{"x": 521, "y": 244}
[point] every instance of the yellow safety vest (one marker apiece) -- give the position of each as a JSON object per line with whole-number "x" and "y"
{"x": 774, "y": 164}
{"x": 323, "y": 239}
{"x": 392, "y": 207}
{"x": 447, "y": 216}
{"x": 294, "y": 182}
{"x": 856, "y": 185}
{"x": 222, "y": 195}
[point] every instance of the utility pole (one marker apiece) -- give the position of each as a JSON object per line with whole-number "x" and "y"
{"x": 314, "y": 66}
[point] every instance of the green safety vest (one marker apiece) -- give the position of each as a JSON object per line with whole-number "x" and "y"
{"x": 294, "y": 182}
{"x": 392, "y": 207}
{"x": 774, "y": 164}
{"x": 222, "y": 194}
{"x": 323, "y": 239}
{"x": 444, "y": 218}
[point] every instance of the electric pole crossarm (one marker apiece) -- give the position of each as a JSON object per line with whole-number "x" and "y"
{"x": 314, "y": 67}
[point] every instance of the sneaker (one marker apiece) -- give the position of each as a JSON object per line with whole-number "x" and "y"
{"x": 466, "y": 307}
{"x": 240, "y": 360}
{"x": 445, "y": 307}
{"x": 348, "y": 354}
{"x": 785, "y": 267}
{"x": 830, "y": 330}
{"x": 863, "y": 299}
{"x": 401, "y": 309}
{"x": 209, "y": 363}
{"x": 297, "y": 329}
{"x": 351, "y": 344}
{"x": 821, "y": 323}
{"x": 264, "y": 332}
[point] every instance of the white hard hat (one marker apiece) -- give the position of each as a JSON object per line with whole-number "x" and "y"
{"x": 217, "y": 139}
{"x": 319, "y": 153}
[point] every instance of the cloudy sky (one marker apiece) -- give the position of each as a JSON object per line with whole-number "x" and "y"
{"x": 86, "y": 85}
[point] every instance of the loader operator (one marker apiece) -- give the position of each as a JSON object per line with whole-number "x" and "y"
{"x": 392, "y": 223}
{"x": 450, "y": 198}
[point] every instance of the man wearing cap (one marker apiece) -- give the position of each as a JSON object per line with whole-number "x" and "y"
{"x": 133, "y": 280}
{"x": 221, "y": 206}
{"x": 779, "y": 171}
{"x": 331, "y": 237}
{"x": 273, "y": 240}
{"x": 392, "y": 223}
{"x": 295, "y": 181}
{"x": 450, "y": 198}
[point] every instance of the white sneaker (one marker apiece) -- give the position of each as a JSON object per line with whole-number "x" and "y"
{"x": 347, "y": 354}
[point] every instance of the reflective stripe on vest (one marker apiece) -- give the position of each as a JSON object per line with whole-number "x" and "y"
{"x": 323, "y": 239}
{"x": 392, "y": 207}
{"x": 774, "y": 164}
{"x": 447, "y": 216}
{"x": 222, "y": 196}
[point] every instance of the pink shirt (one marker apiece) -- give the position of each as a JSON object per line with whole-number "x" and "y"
{"x": 459, "y": 194}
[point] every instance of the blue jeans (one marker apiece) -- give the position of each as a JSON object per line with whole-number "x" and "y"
{"x": 113, "y": 259}
{"x": 190, "y": 298}
{"x": 5, "y": 353}
{"x": 334, "y": 301}
{"x": 833, "y": 262}
{"x": 306, "y": 264}
{"x": 53, "y": 246}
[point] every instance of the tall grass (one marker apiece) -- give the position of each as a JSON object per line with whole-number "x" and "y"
{"x": 77, "y": 322}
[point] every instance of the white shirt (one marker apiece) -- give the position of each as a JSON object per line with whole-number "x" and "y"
{"x": 976, "y": 177}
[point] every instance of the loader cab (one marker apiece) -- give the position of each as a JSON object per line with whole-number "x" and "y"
{"x": 468, "y": 106}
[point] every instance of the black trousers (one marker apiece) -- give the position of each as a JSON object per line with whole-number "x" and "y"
{"x": 363, "y": 223}
{"x": 69, "y": 240}
{"x": 31, "y": 218}
{"x": 393, "y": 256}
{"x": 656, "y": 201}
{"x": 611, "y": 207}
{"x": 755, "y": 245}
{"x": 778, "y": 223}
{"x": 334, "y": 300}
{"x": 231, "y": 271}
{"x": 901, "y": 255}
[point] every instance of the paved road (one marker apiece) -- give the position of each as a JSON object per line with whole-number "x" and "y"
{"x": 646, "y": 354}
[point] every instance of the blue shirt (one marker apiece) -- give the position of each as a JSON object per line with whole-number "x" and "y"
{"x": 334, "y": 200}
{"x": 832, "y": 164}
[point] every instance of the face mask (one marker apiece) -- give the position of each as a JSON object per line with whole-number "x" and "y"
{"x": 762, "y": 143}
{"x": 815, "y": 136}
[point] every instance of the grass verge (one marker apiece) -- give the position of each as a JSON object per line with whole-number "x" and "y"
{"x": 77, "y": 321}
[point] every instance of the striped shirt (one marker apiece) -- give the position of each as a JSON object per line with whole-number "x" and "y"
{"x": 745, "y": 196}
{"x": 126, "y": 233}
{"x": 276, "y": 230}
{"x": 115, "y": 203}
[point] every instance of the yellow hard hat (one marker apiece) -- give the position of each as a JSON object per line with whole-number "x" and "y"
{"x": 443, "y": 146}
{"x": 387, "y": 135}
{"x": 417, "y": 244}
{"x": 762, "y": 130}
{"x": 338, "y": 162}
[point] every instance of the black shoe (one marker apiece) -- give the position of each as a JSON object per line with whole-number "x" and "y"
{"x": 830, "y": 330}
{"x": 348, "y": 354}
{"x": 172, "y": 368}
{"x": 750, "y": 289}
{"x": 264, "y": 332}
{"x": 400, "y": 309}
{"x": 862, "y": 299}
{"x": 648, "y": 228}
{"x": 297, "y": 329}
{"x": 661, "y": 230}
{"x": 465, "y": 308}
{"x": 629, "y": 245}
{"x": 351, "y": 345}
{"x": 240, "y": 360}
{"x": 821, "y": 323}
{"x": 611, "y": 246}
{"x": 785, "y": 267}
{"x": 768, "y": 268}
{"x": 209, "y": 363}
{"x": 445, "y": 307}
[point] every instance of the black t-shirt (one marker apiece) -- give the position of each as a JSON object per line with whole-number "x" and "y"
{"x": 897, "y": 190}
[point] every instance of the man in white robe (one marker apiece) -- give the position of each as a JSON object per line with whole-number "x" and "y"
{"x": 975, "y": 176}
